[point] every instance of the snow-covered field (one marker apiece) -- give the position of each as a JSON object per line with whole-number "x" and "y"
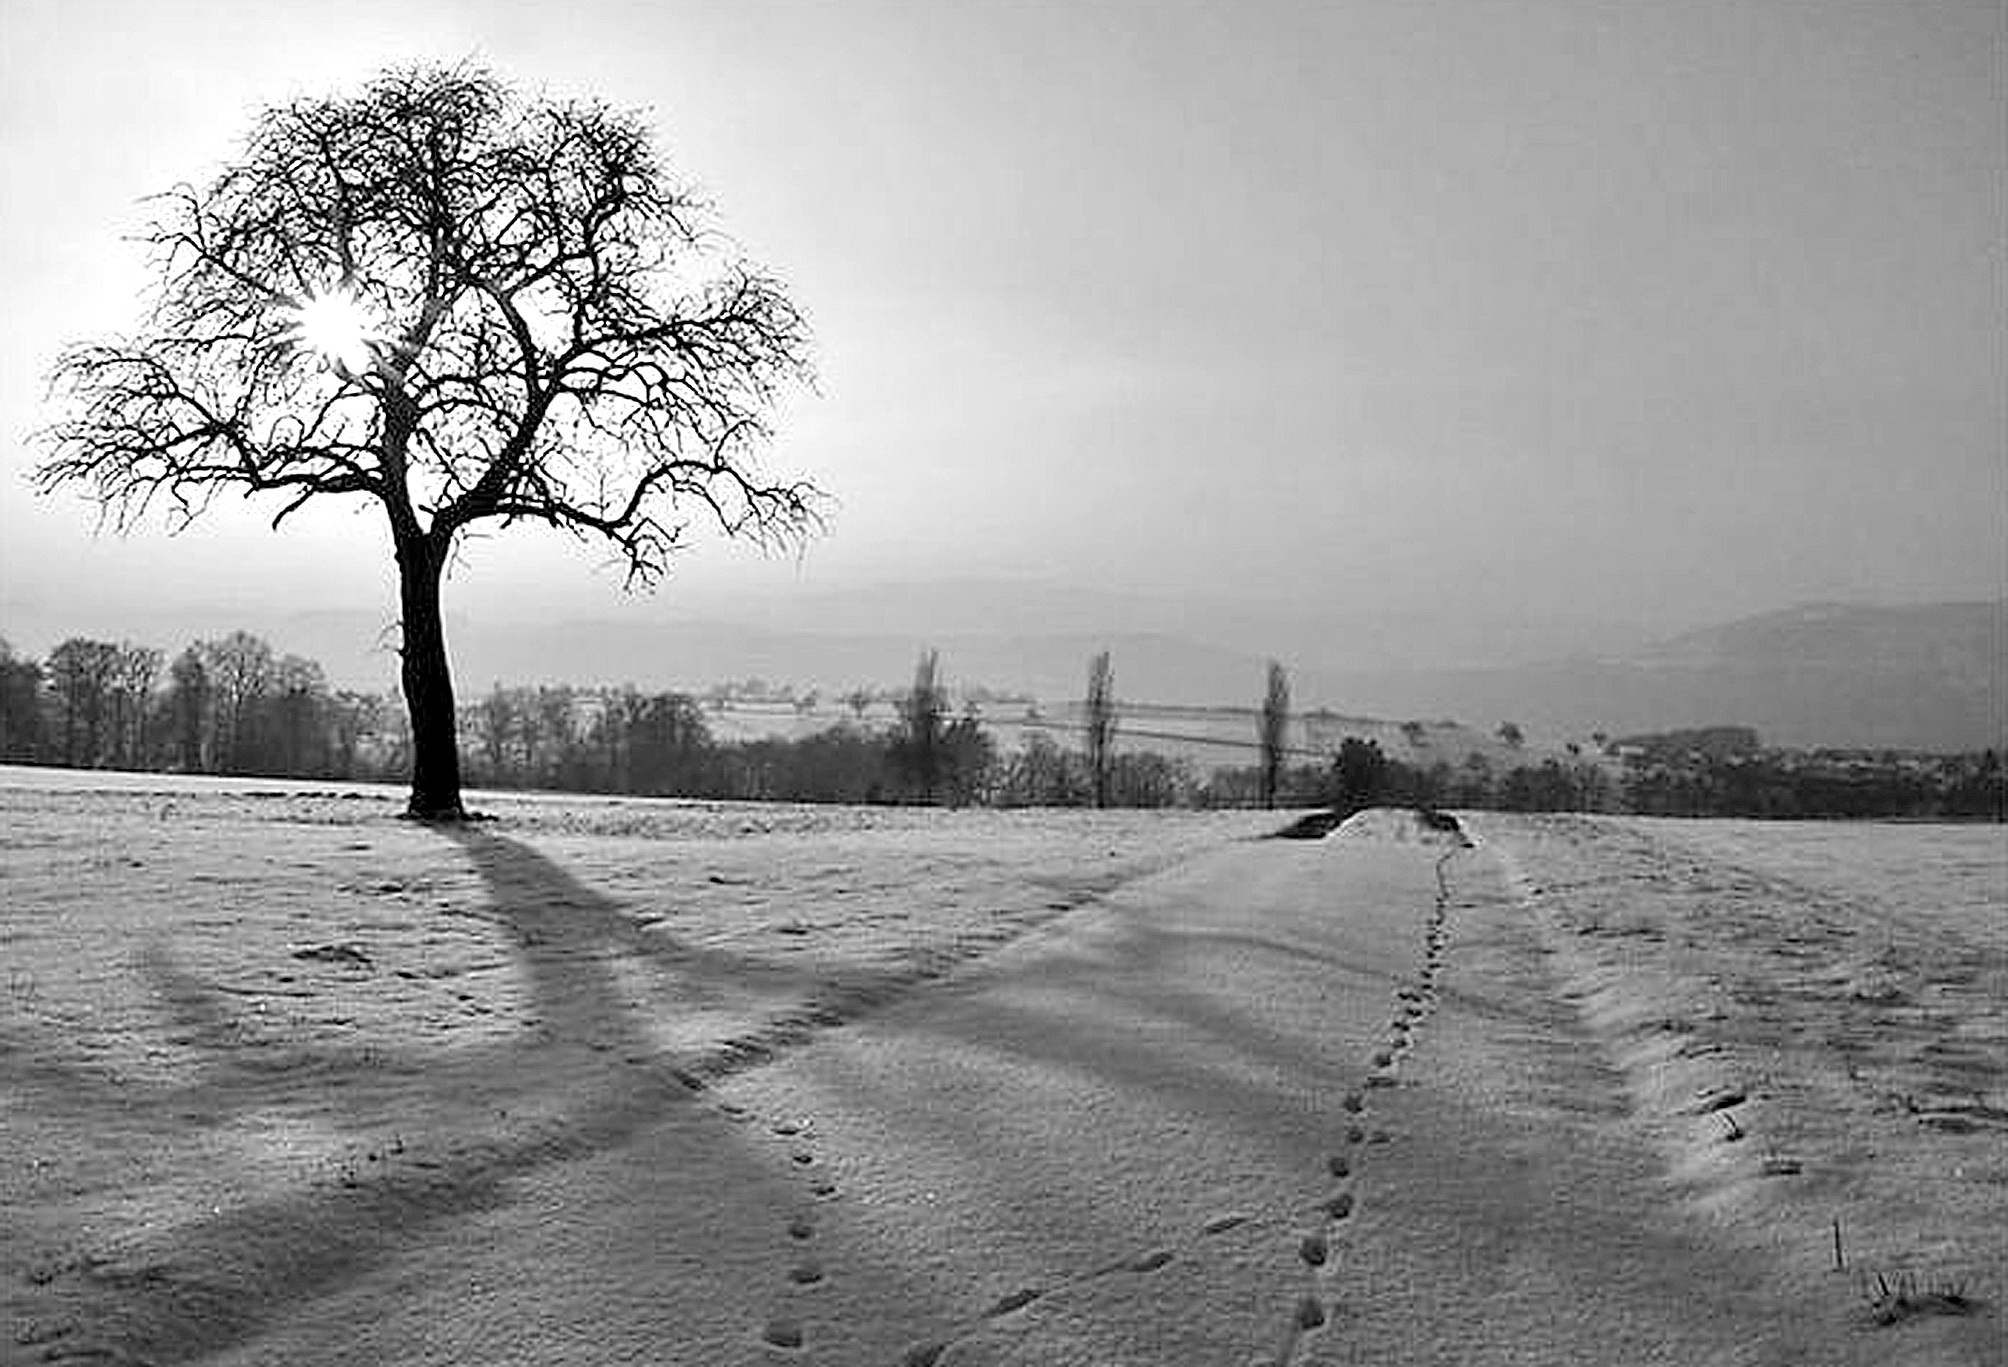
{"x": 230, "y": 996}
{"x": 264, "y": 1044}
{"x": 1811, "y": 1023}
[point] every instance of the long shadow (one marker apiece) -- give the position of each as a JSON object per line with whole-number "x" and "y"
{"x": 225, "y": 1278}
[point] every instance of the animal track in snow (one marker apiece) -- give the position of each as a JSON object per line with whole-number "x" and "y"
{"x": 1319, "y": 1228}
{"x": 1317, "y": 1248}
{"x": 1013, "y": 1301}
{"x": 804, "y": 1272}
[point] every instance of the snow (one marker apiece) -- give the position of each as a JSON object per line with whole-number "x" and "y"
{"x": 610, "y": 1081}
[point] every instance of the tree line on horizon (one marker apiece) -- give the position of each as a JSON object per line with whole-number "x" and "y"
{"x": 234, "y": 705}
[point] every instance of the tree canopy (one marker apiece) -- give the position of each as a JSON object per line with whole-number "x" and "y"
{"x": 460, "y": 302}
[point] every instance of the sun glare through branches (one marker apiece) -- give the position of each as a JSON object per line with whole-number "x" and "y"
{"x": 336, "y": 326}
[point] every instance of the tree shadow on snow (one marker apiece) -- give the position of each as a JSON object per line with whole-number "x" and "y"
{"x": 588, "y": 1080}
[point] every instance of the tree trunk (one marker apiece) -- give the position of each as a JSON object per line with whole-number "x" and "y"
{"x": 428, "y": 686}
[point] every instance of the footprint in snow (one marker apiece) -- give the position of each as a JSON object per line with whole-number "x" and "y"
{"x": 1013, "y": 1301}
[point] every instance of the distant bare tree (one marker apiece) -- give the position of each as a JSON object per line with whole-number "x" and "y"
{"x": 1100, "y": 724}
{"x": 188, "y": 705}
{"x": 81, "y": 677}
{"x": 923, "y": 713}
{"x": 551, "y": 735}
{"x": 353, "y": 717}
{"x": 20, "y": 706}
{"x": 135, "y": 672}
{"x": 300, "y": 696}
{"x": 1275, "y": 728}
{"x": 495, "y": 725}
{"x": 465, "y": 305}
{"x": 241, "y": 673}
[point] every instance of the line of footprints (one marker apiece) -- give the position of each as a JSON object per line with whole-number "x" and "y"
{"x": 1316, "y": 1246}
{"x": 786, "y": 1330}
{"x": 805, "y": 1271}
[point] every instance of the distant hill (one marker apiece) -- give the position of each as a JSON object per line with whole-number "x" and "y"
{"x": 1928, "y": 677}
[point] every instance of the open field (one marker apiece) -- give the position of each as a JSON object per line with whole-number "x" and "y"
{"x": 285, "y": 1078}
{"x": 1847, "y": 982}
{"x": 248, "y": 996}
{"x": 1205, "y": 737}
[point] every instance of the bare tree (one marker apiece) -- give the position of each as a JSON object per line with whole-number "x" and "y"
{"x": 20, "y": 706}
{"x": 1100, "y": 724}
{"x": 353, "y": 717}
{"x": 494, "y": 727}
{"x": 241, "y": 673}
{"x": 923, "y": 712}
{"x": 1275, "y": 726}
{"x": 135, "y": 672}
{"x": 189, "y": 699}
{"x": 82, "y": 676}
{"x": 466, "y": 305}
{"x": 298, "y": 743}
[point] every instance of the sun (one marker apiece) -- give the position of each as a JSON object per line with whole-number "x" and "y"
{"x": 338, "y": 327}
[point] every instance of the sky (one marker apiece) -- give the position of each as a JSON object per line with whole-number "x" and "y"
{"x": 1497, "y": 314}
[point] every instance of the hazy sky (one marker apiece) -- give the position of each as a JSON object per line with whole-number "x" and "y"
{"x": 1632, "y": 311}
